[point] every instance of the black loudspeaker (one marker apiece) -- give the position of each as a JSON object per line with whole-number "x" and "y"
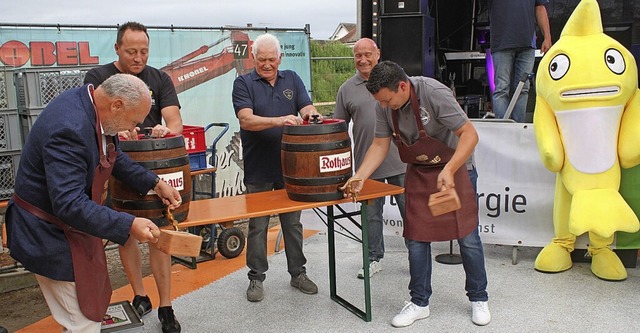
{"x": 622, "y": 32}
{"x": 394, "y": 7}
{"x": 366, "y": 19}
{"x": 405, "y": 35}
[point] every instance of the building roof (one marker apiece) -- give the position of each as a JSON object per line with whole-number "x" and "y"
{"x": 345, "y": 33}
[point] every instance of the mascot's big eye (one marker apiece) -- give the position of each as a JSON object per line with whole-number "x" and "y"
{"x": 614, "y": 60}
{"x": 559, "y": 66}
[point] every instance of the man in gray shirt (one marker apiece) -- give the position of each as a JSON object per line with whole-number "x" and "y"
{"x": 354, "y": 102}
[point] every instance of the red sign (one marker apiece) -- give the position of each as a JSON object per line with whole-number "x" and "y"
{"x": 63, "y": 53}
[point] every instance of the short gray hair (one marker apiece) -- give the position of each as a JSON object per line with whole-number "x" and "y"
{"x": 266, "y": 40}
{"x": 129, "y": 88}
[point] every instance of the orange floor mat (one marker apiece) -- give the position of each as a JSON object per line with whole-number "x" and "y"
{"x": 183, "y": 280}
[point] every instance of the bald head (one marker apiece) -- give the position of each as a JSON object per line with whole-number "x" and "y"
{"x": 365, "y": 55}
{"x": 365, "y": 42}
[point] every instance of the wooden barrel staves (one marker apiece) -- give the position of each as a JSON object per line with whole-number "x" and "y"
{"x": 167, "y": 157}
{"x": 316, "y": 160}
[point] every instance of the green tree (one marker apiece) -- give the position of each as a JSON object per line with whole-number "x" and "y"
{"x": 327, "y": 72}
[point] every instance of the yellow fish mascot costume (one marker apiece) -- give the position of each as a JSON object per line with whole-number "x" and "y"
{"x": 587, "y": 126}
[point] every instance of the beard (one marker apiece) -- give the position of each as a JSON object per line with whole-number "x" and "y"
{"x": 110, "y": 128}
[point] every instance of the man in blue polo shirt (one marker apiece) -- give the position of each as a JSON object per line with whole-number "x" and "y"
{"x": 264, "y": 101}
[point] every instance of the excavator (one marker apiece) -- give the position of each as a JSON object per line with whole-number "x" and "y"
{"x": 188, "y": 72}
{"x": 192, "y": 70}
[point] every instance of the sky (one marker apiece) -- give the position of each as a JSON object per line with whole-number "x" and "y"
{"x": 323, "y": 16}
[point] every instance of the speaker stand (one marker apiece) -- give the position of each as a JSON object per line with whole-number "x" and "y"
{"x": 449, "y": 258}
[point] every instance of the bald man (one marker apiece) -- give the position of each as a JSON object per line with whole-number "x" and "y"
{"x": 66, "y": 162}
{"x": 354, "y": 102}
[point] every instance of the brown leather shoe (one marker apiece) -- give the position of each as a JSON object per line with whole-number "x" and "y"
{"x": 305, "y": 284}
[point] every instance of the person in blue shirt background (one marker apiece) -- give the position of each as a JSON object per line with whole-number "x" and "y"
{"x": 513, "y": 44}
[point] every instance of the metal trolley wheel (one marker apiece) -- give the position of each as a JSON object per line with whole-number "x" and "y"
{"x": 205, "y": 233}
{"x": 230, "y": 242}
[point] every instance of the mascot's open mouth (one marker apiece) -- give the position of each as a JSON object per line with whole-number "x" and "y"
{"x": 600, "y": 91}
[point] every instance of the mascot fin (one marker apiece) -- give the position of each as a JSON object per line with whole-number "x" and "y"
{"x": 601, "y": 211}
{"x": 586, "y": 11}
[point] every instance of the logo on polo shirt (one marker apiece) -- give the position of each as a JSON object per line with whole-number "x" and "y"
{"x": 424, "y": 115}
{"x": 288, "y": 94}
{"x": 153, "y": 100}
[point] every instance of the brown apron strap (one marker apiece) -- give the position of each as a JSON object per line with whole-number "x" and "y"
{"x": 426, "y": 150}
{"x": 39, "y": 213}
{"x": 416, "y": 112}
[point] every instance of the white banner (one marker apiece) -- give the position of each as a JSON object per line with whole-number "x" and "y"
{"x": 515, "y": 191}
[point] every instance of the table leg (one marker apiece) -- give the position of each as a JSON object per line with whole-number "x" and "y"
{"x": 332, "y": 251}
{"x": 365, "y": 260}
{"x": 364, "y": 315}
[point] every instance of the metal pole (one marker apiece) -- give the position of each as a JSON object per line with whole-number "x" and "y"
{"x": 449, "y": 258}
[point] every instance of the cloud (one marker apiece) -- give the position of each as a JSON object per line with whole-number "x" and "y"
{"x": 322, "y": 16}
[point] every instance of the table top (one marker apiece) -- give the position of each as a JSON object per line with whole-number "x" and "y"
{"x": 203, "y": 171}
{"x": 226, "y": 209}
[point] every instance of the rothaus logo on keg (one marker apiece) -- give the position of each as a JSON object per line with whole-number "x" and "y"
{"x": 175, "y": 179}
{"x": 335, "y": 162}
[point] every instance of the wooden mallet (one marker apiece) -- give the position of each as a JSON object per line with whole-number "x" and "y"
{"x": 444, "y": 202}
{"x": 177, "y": 243}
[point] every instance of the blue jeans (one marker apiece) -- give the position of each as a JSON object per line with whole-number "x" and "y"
{"x": 257, "y": 239}
{"x": 420, "y": 265}
{"x": 375, "y": 221}
{"x": 510, "y": 65}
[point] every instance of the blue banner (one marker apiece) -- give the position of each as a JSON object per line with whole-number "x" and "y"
{"x": 202, "y": 63}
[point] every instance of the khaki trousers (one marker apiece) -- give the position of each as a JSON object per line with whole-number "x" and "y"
{"x": 63, "y": 304}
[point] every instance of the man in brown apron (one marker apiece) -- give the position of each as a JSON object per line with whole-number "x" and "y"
{"x": 55, "y": 220}
{"x": 436, "y": 140}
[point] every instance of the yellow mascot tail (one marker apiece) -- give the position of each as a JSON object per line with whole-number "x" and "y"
{"x": 601, "y": 211}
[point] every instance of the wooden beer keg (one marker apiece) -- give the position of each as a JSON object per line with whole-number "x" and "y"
{"x": 316, "y": 160}
{"x": 168, "y": 158}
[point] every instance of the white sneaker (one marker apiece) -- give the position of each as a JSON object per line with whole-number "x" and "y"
{"x": 489, "y": 115}
{"x": 481, "y": 315}
{"x": 409, "y": 314}
{"x": 374, "y": 267}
